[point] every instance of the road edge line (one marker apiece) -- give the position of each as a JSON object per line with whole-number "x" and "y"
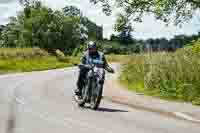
{"x": 177, "y": 115}
{"x": 185, "y": 116}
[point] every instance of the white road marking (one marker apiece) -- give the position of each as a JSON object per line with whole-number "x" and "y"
{"x": 187, "y": 117}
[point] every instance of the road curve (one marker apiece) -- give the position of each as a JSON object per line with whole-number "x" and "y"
{"x": 41, "y": 102}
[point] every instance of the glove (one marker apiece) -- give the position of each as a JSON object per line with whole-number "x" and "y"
{"x": 110, "y": 70}
{"x": 88, "y": 66}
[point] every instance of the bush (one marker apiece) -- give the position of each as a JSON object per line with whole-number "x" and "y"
{"x": 59, "y": 53}
{"x": 61, "y": 57}
{"x": 79, "y": 50}
{"x": 22, "y": 53}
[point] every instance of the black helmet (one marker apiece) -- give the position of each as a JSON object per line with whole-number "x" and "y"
{"x": 92, "y": 44}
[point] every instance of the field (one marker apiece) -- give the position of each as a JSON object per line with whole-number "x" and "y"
{"x": 31, "y": 59}
{"x": 35, "y": 59}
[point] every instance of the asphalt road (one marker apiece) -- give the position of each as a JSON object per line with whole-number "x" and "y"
{"x": 42, "y": 102}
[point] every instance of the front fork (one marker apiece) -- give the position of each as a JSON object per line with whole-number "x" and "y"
{"x": 91, "y": 88}
{"x": 93, "y": 80}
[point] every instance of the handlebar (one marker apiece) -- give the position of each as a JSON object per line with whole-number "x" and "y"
{"x": 85, "y": 66}
{"x": 82, "y": 66}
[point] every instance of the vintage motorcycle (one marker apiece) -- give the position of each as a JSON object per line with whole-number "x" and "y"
{"x": 93, "y": 85}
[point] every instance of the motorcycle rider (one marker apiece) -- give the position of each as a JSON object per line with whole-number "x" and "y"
{"x": 90, "y": 54}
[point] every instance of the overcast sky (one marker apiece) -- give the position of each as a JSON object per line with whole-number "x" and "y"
{"x": 150, "y": 28}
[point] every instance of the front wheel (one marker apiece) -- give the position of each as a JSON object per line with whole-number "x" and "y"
{"x": 82, "y": 99}
{"x": 96, "y": 97}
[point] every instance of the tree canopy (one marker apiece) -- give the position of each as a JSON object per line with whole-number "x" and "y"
{"x": 166, "y": 10}
{"x": 40, "y": 26}
{"x": 71, "y": 11}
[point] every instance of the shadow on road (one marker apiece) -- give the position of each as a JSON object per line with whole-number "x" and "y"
{"x": 102, "y": 109}
{"x": 11, "y": 121}
{"x": 10, "y": 125}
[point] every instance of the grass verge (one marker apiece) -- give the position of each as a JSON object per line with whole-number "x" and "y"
{"x": 171, "y": 76}
{"x": 31, "y": 59}
{"x": 35, "y": 59}
{"x": 35, "y": 64}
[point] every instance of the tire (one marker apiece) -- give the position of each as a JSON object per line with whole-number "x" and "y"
{"x": 81, "y": 101}
{"x": 96, "y": 100}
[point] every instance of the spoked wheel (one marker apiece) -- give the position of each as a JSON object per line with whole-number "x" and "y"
{"x": 97, "y": 90}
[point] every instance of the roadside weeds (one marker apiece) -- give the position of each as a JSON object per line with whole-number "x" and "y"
{"x": 116, "y": 93}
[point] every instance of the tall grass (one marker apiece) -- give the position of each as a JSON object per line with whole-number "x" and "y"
{"x": 167, "y": 75}
{"x": 117, "y": 58}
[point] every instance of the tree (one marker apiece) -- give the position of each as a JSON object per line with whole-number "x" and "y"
{"x": 26, "y": 3}
{"x": 1, "y": 29}
{"x": 42, "y": 27}
{"x": 165, "y": 10}
{"x": 106, "y": 8}
{"x": 71, "y": 11}
{"x": 114, "y": 38}
{"x": 125, "y": 35}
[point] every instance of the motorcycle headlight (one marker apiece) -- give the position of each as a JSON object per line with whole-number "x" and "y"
{"x": 101, "y": 74}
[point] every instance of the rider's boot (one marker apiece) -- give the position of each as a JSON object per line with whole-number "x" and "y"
{"x": 77, "y": 92}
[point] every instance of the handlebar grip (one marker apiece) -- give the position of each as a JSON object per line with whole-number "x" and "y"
{"x": 84, "y": 66}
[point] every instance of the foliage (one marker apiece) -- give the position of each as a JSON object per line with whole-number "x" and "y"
{"x": 106, "y": 8}
{"x": 130, "y": 45}
{"x": 59, "y": 53}
{"x": 34, "y": 64}
{"x": 40, "y": 26}
{"x": 32, "y": 59}
{"x": 165, "y": 10}
{"x": 29, "y": 59}
{"x": 71, "y": 11}
{"x": 116, "y": 45}
{"x": 86, "y": 26}
{"x": 61, "y": 56}
{"x": 94, "y": 32}
{"x": 167, "y": 75}
{"x": 113, "y": 58}
{"x": 194, "y": 46}
{"x": 79, "y": 50}
{"x": 25, "y": 53}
